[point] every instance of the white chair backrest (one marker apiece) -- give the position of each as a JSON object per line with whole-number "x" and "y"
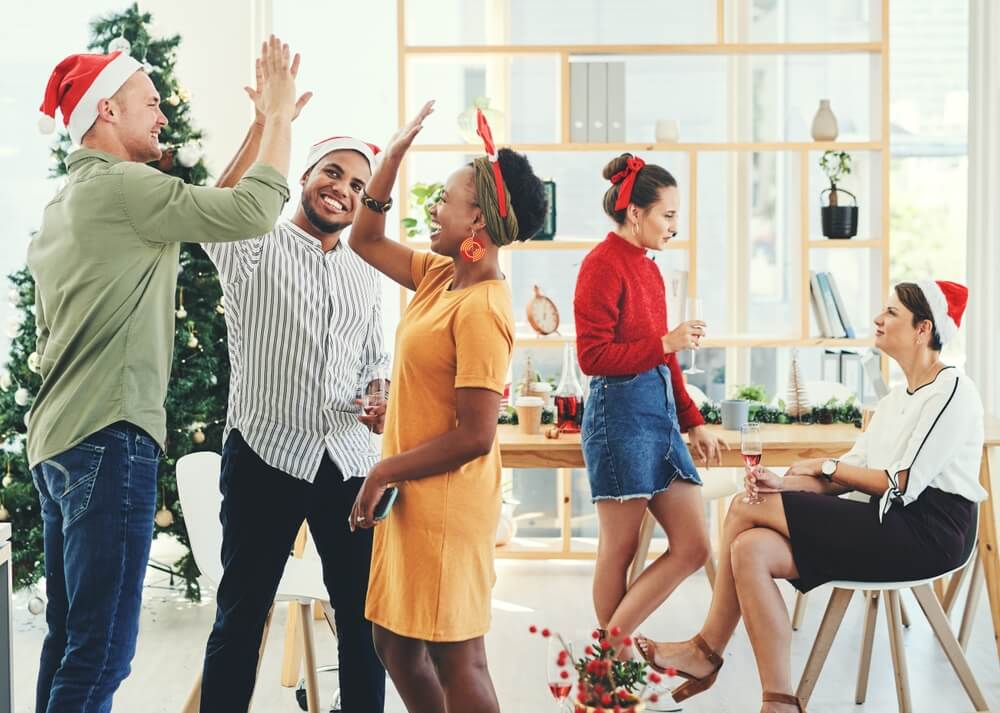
{"x": 201, "y": 500}
{"x": 697, "y": 395}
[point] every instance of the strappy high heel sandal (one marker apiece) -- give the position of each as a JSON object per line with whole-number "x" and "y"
{"x": 770, "y": 697}
{"x": 693, "y": 685}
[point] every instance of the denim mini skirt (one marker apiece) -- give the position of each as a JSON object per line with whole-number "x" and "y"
{"x": 632, "y": 442}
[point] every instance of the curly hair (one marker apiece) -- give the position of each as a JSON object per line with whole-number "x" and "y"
{"x": 527, "y": 194}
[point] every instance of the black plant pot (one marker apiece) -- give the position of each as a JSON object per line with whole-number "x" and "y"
{"x": 840, "y": 222}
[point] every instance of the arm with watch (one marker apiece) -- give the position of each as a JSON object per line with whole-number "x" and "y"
{"x": 827, "y": 476}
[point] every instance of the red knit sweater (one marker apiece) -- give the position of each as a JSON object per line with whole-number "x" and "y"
{"x": 620, "y": 308}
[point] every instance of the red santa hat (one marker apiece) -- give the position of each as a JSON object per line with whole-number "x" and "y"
{"x": 340, "y": 143}
{"x": 947, "y": 301}
{"x": 77, "y": 84}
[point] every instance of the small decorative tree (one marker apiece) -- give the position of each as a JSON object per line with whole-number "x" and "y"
{"x": 798, "y": 400}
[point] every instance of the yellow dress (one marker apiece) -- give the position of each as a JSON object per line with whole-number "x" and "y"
{"x": 432, "y": 562}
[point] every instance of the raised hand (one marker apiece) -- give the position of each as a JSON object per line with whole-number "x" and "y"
{"x": 277, "y": 94}
{"x": 401, "y": 141}
{"x": 255, "y": 92}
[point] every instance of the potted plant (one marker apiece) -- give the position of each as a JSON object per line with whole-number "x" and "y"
{"x": 423, "y": 195}
{"x": 839, "y": 222}
{"x": 603, "y": 683}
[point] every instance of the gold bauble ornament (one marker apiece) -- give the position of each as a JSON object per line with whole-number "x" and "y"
{"x": 182, "y": 313}
{"x": 8, "y": 480}
{"x": 552, "y": 432}
{"x": 173, "y": 100}
{"x": 192, "y": 341}
{"x": 4, "y": 514}
{"x": 198, "y": 437}
{"x": 164, "y": 518}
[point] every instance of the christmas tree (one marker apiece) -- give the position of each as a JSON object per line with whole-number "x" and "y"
{"x": 196, "y": 398}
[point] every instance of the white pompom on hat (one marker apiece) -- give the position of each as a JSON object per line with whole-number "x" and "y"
{"x": 77, "y": 84}
{"x": 947, "y": 301}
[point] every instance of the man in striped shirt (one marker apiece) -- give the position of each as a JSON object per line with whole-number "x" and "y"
{"x": 304, "y": 318}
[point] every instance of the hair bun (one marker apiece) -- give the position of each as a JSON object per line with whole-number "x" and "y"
{"x": 619, "y": 163}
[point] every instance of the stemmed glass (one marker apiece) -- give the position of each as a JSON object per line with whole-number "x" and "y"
{"x": 693, "y": 311}
{"x": 560, "y": 673}
{"x": 373, "y": 395}
{"x": 752, "y": 449}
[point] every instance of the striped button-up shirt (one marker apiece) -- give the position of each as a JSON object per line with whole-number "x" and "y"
{"x": 305, "y": 335}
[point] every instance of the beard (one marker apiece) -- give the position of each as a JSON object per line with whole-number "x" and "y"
{"x": 318, "y": 222}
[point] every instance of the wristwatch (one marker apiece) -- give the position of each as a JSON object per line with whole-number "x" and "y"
{"x": 828, "y": 469}
{"x": 376, "y": 205}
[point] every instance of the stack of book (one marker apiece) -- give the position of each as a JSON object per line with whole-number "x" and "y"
{"x": 829, "y": 307}
{"x": 597, "y": 102}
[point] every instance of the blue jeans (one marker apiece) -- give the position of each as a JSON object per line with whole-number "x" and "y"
{"x": 97, "y": 503}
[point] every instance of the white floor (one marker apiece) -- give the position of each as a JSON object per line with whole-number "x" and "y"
{"x": 557, "y": 595}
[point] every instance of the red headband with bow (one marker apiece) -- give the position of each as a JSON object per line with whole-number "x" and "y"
{"x": 627, "y": 178}
{"x": 483, "y": 129}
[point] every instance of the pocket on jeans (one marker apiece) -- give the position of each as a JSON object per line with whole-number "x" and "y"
{"x": 620, "y": 380}
{"x": 70, "y": 478}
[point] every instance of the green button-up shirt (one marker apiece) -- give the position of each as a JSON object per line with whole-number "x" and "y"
{"x": 105, "y": 269}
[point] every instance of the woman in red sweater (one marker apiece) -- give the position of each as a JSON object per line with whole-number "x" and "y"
{"x": 638, "y": 404}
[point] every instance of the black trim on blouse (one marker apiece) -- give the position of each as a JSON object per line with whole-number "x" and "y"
{"x": 895, "y": 494}
{"x": 911, "y": 393}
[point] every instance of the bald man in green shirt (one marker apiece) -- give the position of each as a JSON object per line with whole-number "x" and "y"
{"x": 105, "y": 269}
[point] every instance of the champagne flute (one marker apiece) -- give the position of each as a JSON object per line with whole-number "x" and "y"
{"x": 752, "y": 449}
{"x": 693, "y": 311}
{"x": 374, "y": 394}
{"x": 560, "y": 672}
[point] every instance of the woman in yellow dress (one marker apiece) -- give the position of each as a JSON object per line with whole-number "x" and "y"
{"x": 432, "y": 562}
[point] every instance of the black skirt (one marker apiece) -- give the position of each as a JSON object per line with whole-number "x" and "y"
{"x": 838, "y": 539}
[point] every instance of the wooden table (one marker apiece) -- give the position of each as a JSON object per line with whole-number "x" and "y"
{"x": 783, "y": 445}
{"x": 6, "y": 630}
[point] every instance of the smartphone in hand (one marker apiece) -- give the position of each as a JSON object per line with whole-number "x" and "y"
{"x": 385, "y": 503}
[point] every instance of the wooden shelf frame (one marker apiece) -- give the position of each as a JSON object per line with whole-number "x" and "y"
{"x": 809, "y": 244}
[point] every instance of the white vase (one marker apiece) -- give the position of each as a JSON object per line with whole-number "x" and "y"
{"x": 668, "y": 131}
{"x": 824, "y": 126}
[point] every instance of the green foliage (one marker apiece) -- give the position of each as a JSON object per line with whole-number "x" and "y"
{"x": 836, "y": 165}
{"x": 423, "y": 196}
{"x": 751, "y": 392}
{"x": 833, "y": 411}
{"x": 199, "y": 382}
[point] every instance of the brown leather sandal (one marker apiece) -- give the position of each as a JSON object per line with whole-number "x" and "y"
{"x": 769, "y": 697}
{"x": 693, "y": 685}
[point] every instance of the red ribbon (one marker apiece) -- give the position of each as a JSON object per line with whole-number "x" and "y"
{"x": 483, "y": 129}
{"x": 627, "y": 178}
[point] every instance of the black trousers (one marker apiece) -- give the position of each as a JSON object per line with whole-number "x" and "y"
{"x": 262, "y": 509}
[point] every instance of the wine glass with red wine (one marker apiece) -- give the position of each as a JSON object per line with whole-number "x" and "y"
{"x": 560, "y": 672}
{"x": 751, "y": 448}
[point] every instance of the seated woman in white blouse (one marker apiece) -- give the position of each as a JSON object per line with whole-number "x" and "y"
{"x": 919, "y": 463}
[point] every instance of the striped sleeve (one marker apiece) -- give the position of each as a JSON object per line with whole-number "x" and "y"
{"x": 235, "y": 261}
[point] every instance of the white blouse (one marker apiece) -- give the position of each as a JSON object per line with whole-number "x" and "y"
{"x": 936, "y": 433}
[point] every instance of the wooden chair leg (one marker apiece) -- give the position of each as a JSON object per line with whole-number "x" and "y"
{"x": 645, "y": 537}
{"x": 312, "y": 685}
{"x": 799, "y": 613}
{"x": 291, "y": 659}
{"x": 971, "y": 601}
{"x": 710, "y": 570}
{"x": 942, "y": 629}
{"x": 193, "y": 702}
{"x": 834, "y": 614}
{"x": 898, "y": 653}
{"x": 954, "y": 584}
{"x": 867, "y": 643}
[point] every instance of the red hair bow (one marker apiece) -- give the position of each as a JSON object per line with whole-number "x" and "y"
{"x": 483, "y": 129}
{"x": 627, "y": 178}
